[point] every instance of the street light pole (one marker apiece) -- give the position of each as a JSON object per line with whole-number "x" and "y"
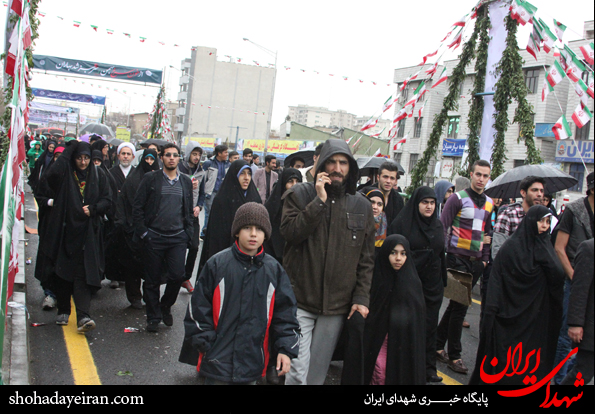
{"x": 274, "y": 54}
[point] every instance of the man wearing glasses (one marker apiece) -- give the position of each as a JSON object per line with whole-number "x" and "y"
{"x": 162, "y": 213}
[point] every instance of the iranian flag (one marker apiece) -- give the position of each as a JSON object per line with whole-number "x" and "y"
{"x": 442, "y": 78}
{"x": 409, "y": 79}
{"x": 420, "y": 110}
{"x": 349, "y": 140}
{"x": 411, "y": 101}
{"x": 457, "y": 40}
{"x": 549, "y": 38}
{"x": 555, "y": 75}
{"x": 76, "y": 24}
{"x": 377, "y": 153}
{"x": 356, "y": 142}
{"x": 425, "y": 58}
{"x": 532, "y": 46}
{"x": 581, "y": 90}
{"x": 559, "y": 28}
{"x": 389, "y": 103}
{"x": 522, "y": 11}
{"x": 369, "y": 124}
{"x": 561, "y": 129}
{"x": 432, "y": 70}
{"x": 421, "y": 89}
{"x": 378, "y": 134}
{"x": 402, "y": 114}
{"x": 462, "y": 21}
{"x": 590, "y": 88}
{"x": 587, "y": 51}
{"x": 574, "y": 67}
{"x": 547, "y": 88}
{"x": 581, "y": 116}
{"x": 400, "y": 144}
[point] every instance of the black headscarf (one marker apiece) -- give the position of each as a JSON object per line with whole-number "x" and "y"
{"x": 274, "y": 205}
{"x": 397, "y": 309}
{"x": 524, "y": 301}
{"x": 99, "y": 145}
{"x": 227, "y": 201}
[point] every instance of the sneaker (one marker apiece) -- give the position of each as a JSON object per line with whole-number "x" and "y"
{"x": 152, "y": 326}
{"x": 48, "y": 303}
{"x": 458, "y": 366}
{"x": 62, "y": 319}
{"x": 188, "y": 286}
{"x": 85, "y": 325}
{"x": 166, "y": 316}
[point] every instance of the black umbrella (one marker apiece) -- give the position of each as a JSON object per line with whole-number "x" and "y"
{"x": 306, "y": 154}
{"x": 156, "y": 141}
{"x": 508, "y": 184}
{"x": 369, "y": 165}
{"x": 114, "y": 141}
{"x": 99, "y": 129}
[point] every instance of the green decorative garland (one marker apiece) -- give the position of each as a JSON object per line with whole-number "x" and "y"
{"x": 450, "y": 104}
{"x": 6, "y": 116}
{"x": 511, "y": 85}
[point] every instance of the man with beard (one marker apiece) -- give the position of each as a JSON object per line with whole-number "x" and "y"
{"x": 130, "y": 253}
{"x": 191, "y": 167}
{"x": 388, "y": 174}
{"x": 532, "y": 191}
{"x": 162, "y": 213}
{"x": 73, "y": 242}
{"x": 329, "y": 256}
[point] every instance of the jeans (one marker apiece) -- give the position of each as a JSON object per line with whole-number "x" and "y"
{"x": 564, "y": 341}
{"x": 450, "y": 327}
{"x": 172, "y": 251}
{"x": 208, "y": 203}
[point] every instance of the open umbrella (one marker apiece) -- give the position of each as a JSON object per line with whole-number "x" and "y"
{"x": 114, "y": 141}
{"x": 86, "y": 137}
{"x": 156, "y": 141}
{"x": 508, "y": 184}
{"x": 369, "y": 165}
{"x": 100, "y": 129}
{"x": 306, "y": 154}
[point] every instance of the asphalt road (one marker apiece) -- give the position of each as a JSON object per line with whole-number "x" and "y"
{"x": 139, "y": 358}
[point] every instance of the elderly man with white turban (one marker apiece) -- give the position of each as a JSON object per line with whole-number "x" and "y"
{"x": 112, "y": 237}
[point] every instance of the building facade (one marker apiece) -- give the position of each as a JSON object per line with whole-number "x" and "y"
{"x": 223, "y": 99}
{"x": 316, "y": 116}
{"x": 561, "y": 154}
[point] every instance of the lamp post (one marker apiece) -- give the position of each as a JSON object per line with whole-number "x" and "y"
{"x": 273, "y": 54}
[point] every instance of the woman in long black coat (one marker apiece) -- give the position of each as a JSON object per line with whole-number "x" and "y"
{"x": 418, "y": 222}
{"x": 523, "y": 305}
{"x": 74, "y": 242}
{"x": 394, "y": 339}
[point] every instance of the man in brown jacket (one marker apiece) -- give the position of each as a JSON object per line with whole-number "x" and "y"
{"x": 329, "y": 257}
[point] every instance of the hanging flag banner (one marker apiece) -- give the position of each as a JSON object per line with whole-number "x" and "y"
{"x": 102, "y": 70}
{"x": 67, "y": 96}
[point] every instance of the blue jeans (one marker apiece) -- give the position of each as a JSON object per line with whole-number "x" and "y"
{"x": 208, "y": 203}
{"x": 564, "y": 341}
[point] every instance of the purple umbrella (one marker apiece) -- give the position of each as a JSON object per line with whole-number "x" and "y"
{"x": 86, "y": 137}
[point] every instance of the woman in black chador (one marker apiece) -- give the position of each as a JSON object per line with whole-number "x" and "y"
{"x": 523, "y": 305}
{"x": 394, "y": 341}
{"x": 418, "y": 222}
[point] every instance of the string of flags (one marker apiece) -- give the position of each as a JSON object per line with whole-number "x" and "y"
{"x": 145, "y": 40}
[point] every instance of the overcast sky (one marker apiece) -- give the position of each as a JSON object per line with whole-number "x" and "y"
{"x": 360, "y": 40}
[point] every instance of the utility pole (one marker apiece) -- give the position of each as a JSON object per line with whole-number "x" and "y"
{"x": 237, "y": 133}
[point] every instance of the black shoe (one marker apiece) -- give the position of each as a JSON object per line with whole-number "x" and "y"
{"x": 166, "y": 317}
{"x": 152, "y": 326}
{"x": 272, "y": 377}
{"x": 434, "y": 378}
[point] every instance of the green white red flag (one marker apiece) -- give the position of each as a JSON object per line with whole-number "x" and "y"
{"x": 462, "y": 21}
{"x": 532, "y": 46}
{"x": 581, "y": 116}
{"x": 400, "y": 144}
{"x": 548, "y": 37}
{"x": 547, "y": 88}
{"x": 369, "y": 124}
{"x": 425, "y": 58}
{"x": 555, "y": 75}
{"x": 587, "y": 51}
{"x": 559, "y": 28}
{"x": 522, "y": 11}
{"x": 582, "y": 91}
{"x": 561, "y": 129}
{"x": 441, "y": 79}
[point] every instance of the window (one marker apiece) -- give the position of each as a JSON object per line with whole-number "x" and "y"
{"x": 519, "y": 163}
{"x": 578, "y": 172}
{"x": 531, "y": 77}
{"x": 412, "y": 161}
{"x": 582, "y": 133}
{"x": 405, "y": 94}
{"x": 417, "y": 130}
{"x": 401, "y": 128}
{"x": 397, "y": 157}
{"x": 453, "y": 126}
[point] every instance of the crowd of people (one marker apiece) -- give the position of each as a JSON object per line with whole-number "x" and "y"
{"x": 300, "y": 266}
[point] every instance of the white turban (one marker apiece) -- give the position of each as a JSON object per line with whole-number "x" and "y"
{"x": 124, "y": 145}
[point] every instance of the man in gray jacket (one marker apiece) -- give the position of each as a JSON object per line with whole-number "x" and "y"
{"x": 329, "y": 257}
{"x": 215, "y": 170}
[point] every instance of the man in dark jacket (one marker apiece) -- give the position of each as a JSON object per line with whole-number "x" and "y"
{"x": 580, "y": 314}
{"x": 388, "y": 174}
{"x": 329, "y": 257}
{"x": 162, "y": 213}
